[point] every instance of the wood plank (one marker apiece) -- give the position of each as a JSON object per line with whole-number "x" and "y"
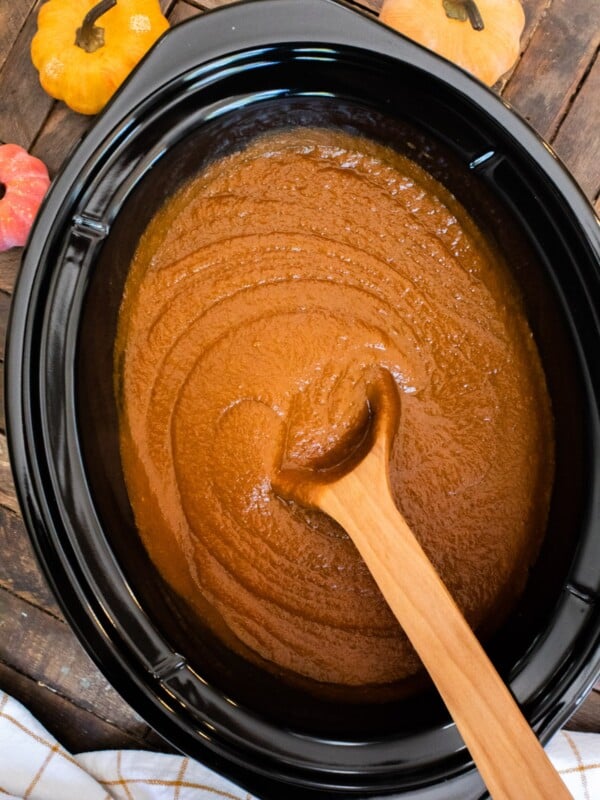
{"x": 44, "y": 648}
{"x": 4, "y": 309}
{"x": 534, "y": 13}
{"x": 10, "y": 261}
{"x": 8, "y": 495}
{"x": 587, "y": 716}
{"x": 20, "y": 574}
{"x": 12, "y": 18}
{"x": 368, "y": 5}
{"x": 558, "y": 55}
{"x": 2, "y": 419}
{"x": 183, "y": 11}
{"x": 62, "y": 131}
{"x": 74, "y": 727}
{"x": 24, "y": 105}
{"x": 206, "y": 5}
{"x": 581, "y": 125}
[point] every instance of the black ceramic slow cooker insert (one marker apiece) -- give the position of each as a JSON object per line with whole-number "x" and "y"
{"x": 208, "y": 87}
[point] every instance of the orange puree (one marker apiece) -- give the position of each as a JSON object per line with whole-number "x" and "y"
{"x": 259, "y": 297}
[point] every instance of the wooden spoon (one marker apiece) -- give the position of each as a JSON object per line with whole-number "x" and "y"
{"x": 357, "y": 494}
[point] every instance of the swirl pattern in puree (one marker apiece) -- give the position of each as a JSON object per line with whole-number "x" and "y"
{"x": 259, "y": 297}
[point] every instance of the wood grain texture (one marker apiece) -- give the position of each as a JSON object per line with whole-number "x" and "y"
{"x": 534, "y": 12}
{"x": 8, "y": 495}
{"x": 515, "y": 766}
{"x": 183, "y": 11}
{"x": 587, "y": 716}
{"x": 557, "y": 57}
{"x": 26, "y": 632}
{"x": 12, "y": 18}
{"x": 2, "y": 420}
{"x": 75, "y": 727}
{"x": 4, "y": 308}
{"x": 582, "y": 126}
{"x": 207, "y": 5}
{"x": 62, "y": 131}
{"x": 374, "y": 6}
{"x": 24, "y": 105}
{"x": 30, "y": 617}
{"x": 20, "y": 574}
{"x": 9, "y": 267}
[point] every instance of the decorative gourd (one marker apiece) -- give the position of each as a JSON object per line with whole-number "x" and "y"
{"x": 481, "y": 36}
{"x": 23, "y": 183}
{"x": 83, "y": 63}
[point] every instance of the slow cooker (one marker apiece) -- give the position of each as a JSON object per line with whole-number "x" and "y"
{"x": 210, "y": 85}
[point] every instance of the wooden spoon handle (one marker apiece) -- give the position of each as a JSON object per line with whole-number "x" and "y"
{"x": 508, "y": 755}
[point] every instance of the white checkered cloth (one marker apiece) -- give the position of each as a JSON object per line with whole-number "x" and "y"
{"x": 34, "y": 766}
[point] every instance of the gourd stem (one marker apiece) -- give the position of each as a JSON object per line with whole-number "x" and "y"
{"x": 464, "y": 10}
{"x": 474, "y": 15}
{"x": 90, "y": 37}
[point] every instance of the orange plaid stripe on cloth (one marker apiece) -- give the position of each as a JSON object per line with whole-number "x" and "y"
{"x": 34, "y": 766}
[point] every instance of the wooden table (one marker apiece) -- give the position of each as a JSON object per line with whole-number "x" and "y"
{"x": 555, "y": 86}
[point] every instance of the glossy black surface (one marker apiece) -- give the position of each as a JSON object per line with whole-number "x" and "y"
{"x": 210, "y": 85}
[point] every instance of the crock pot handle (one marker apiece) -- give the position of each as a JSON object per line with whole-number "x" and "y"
{"x": 227, "y": 30}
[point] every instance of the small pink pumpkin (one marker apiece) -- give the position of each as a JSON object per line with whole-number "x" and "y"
{"x": 23, "y": 183}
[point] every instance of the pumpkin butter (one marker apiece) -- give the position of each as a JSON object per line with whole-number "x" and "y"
{"x": 259, "y": 298}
